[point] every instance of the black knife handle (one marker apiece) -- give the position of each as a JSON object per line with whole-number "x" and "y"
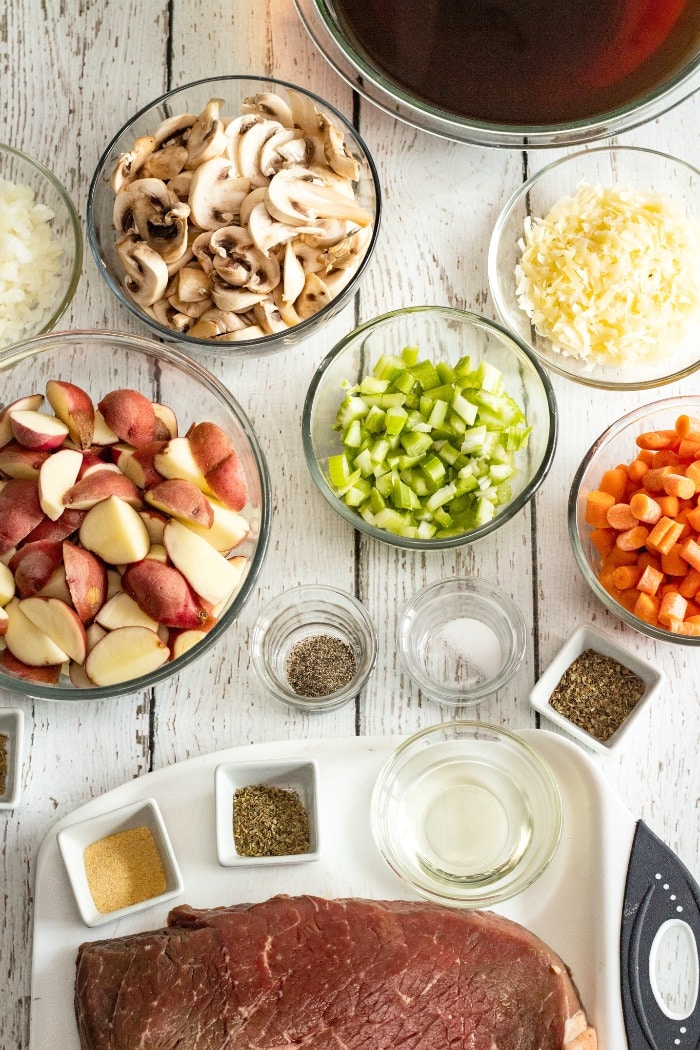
{"x": 659, "y": 890}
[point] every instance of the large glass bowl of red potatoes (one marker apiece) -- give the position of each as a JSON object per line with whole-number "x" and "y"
{"x": 134, "y": 514}
{"x": 634, "y": 519}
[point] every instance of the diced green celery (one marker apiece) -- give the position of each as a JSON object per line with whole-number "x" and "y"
{"x": 484, "y": 511}
{"x": 392, "y": 400}
{"x": 387, "y": 366}
{"x": 358, "y": 493}
{"x": 442, "y": 392}
{"x": 415, "y": 443}
{"x": 464, "y": 408}
{"x": 376, "y": 501}
{"x": 425, "y": 530}
{"x": 457, "y": 423}
{"x": 473, "y": 439}
{"x": 448, "y": 453}
{"x": 391, "y": 520}
{"x": 489, "y": 377}
{"x": 425, "y": 374}
{"x": 405, "y": 382}
{"x": 363, "y": 460}
{"x": 352, "y": 435}
{"x": 374, "y": 420}
{"x": 501, "y": 472}
{"x": 339, "y": 470}
{"x": 379, "y": 450}
{"x": 518, "y": 435}
{"x": 438, "y": 414}
{"x": 446, "y": 372}
{"x": 441, "y": 497}
{"x": 351, "y": 408}
{"x": 384, "y": 483}
{"x": 434, "y": 469}
{"x": 463, "y": 367}
{"x": 395, "y": 419}
{"x": 368, "y": 514}
{"x": 441, "y": 516}
{"x": 403, "y": 497}
{"x": 409, "y": 355}
{"x": 407, "y": 461}
{"x": 466, "y": 484}
{"x": 373, "y": 385}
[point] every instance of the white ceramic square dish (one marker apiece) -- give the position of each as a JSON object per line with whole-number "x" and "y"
{"x": 74, "y": 839}
{"x": 12, "y": 726}
{"x": 297, "y": 775}
{"x": 588, "y": 637}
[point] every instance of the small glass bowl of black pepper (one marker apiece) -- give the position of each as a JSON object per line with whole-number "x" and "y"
{"x": 314, "y": 647}
{"x": 595, "y": 689}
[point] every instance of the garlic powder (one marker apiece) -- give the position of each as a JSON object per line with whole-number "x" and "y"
{"x": 610, "y": 275}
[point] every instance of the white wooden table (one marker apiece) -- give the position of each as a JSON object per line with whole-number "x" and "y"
{"x": 71, "y": 75}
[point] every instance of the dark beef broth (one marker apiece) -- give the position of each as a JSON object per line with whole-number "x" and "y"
{"x": 523, "y": 61}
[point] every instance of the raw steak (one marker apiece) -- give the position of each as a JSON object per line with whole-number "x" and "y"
{"x": 328, "y": 975}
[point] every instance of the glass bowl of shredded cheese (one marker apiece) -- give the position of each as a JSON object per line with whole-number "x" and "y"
{"x": 595, "y": 263}
{"x": 41, "y": 248}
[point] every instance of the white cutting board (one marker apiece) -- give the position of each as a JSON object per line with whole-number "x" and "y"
{"x": 575, "y": 906}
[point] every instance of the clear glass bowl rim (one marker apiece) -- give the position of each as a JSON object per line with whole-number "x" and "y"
{"x": 676, "y": 406}
{"x": 388, "y": 770}
{"x": 510, "y": 509}
{"x": 358, "y": 73}
{"x": 20, "y": 351}
{"x": 76, "y": 229}
{"x": 500, "y": 303}
{"x": 268, "y": 343}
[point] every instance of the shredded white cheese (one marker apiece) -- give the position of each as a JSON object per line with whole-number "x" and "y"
{"x": 610, "y": 275}
{"x": 29, "y": 262}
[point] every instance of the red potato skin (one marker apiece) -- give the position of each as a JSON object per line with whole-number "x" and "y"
{"x": 17, "y": 668}
{"x": 60, "y": 529}
{"x": 19, "y": 462}
{"x": 130, "y": 415}
{"x": 210, "y": 445}
{"x": 20, "y": 511}
{"x": 74, "y": 407}
{"x": 162, "y": 592}
{"x": 140, "y": 468}
{"x": 182, "y": 499}
{"x": 101, "y": 485}
{"x": 227, "y": 482}
{"x": 34, "y": 564}
{"x": 86, "y": 579}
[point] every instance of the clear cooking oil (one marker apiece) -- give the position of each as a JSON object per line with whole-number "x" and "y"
{"x": 466, "y": 823}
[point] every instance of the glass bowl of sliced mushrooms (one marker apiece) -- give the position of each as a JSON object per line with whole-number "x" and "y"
{"x": 235, "y": 210}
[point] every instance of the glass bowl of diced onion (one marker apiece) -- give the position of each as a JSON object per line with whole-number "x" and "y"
{"x": 634, "y": 519}
{"x": 595, "y": 263}
{"x": 41, "y": 248}
{"x": 429, "y": 427}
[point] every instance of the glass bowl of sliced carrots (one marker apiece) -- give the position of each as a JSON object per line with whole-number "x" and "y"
{"x": 634, "y": 519}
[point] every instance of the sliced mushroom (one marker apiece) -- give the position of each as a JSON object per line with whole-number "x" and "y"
{"x": 180, "y": 185}
{"x": 148, "y": 206}
{"x": 165, "y": 163}
{"x": 193, "y": 310}
{"x": 202, "y": 251}
{"x": 129, "y": 163}
{"x": 314, "y": 297}
{"x": 297, "y": 195}
{"x": 207, "y": 136}
{"x": 255, "y": 197}
{"x": 286, "y": 309}
{"x": 186, "y": 257}
{"x": 216, "y": 322}
{"x": 293, "y": 274}
{"x": 170, "y": 318}
{"x": 272, "y": 157}
{"x": 235, "y": 130}
{"x": 240, "y": 263}
{"x": 268, "y": 317}
{"x": 193, "y": 285}
{"x": 236, "y": 300}
{"x": 270, "y": 105}
{"x": 336, "y": 155}
{"x": 329, "y": 232}
{"x": 267, "y": 233}
{"x": 253, "y": 331}
{"x": 250, "y": 145}
{"x": 173, "y": 130}
{"x": 216, "y": 194}
{"x": 146, "y": 275}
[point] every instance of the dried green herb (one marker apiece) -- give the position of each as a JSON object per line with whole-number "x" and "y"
{"x": 269, "y": 822}
{"x": 4, "y": 740}
{"x": 320, "y": 665}
{"x": 597, "y": 693}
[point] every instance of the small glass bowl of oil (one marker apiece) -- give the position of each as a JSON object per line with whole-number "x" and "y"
{"x": 466, "y": 813}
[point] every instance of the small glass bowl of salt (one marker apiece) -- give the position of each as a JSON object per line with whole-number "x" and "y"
{"x": 461, "y": 639}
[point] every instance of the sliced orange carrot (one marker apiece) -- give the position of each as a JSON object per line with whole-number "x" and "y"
{"x": 654, "y": 478}
{"x": 678, "y": 485}
{"x": 689, "y": 587}
{"x": 650, "y": 580}
{"x": 637, "y": 469}
{"x": 646, "y": 455}
{"x": 646, "y": 557}
{"x": 672, "y": 563}
{"x": 620, "y": 517}
{"x": 692, "y": 518}
{"x": 689, "y": 448}
{"x": 618, "y": 556}
{"x": 690, "y": 551}
{"x": 688, "y": 628}
{"x": 614, "y": 481}
{"x": 673, "y": 607}
{"x": 692, "y": 471}
{"x": 633, "y": 539}
{"x": 603, "y": 540}
{"x": 645, "y": 508}
{"x": 597, "y": 506}
{"x": 657, "y": 439}
{"x": 664, "y": 534}
{"x": 628, "y": 598}
{"x": 687, "y": 426}
{"x": 647, "y": 608}
{"x": 670, "y": 505}
{"x": 665, "y": 457}
{"x": 626, "y": 576}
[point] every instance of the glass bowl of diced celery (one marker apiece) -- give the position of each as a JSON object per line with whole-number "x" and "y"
{"x": 429, "y": 427}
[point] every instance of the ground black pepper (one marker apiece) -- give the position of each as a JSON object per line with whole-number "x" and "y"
{"x": 597, "y": 693}
{"x": 319, "y": 665}
{"x": 4, "y": 740}
{"x": 269, "y": 822}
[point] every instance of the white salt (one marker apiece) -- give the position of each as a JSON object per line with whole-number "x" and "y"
{"x": 468, "y": 651}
